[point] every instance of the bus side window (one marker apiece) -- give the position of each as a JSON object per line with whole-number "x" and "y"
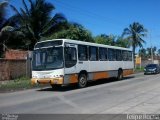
{"x": 102, "y": 54}
{"x": 82, "y": 53}
{"x": 125, "y": 55}
{"x": 114, "y": 55}
{"x": 70, "y": 57}
{"x": 130, "y": 55}
{"x": 119, "y": 55}
{"x": 93, "y": 53}
{"x": 111, "y": 54}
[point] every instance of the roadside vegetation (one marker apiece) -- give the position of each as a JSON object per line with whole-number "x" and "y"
{"x": 135, "y": 34}
{"x": 21, "y": 83}
{"x": 139, "y": 69}
{"x": 146, "y": 53}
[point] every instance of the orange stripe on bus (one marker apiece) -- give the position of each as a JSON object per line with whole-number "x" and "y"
{"x": 100, "y": 75}
{"x": 73, "y": 78}
{"x": 127, "y": 72}
{"x": 58, "y": 81}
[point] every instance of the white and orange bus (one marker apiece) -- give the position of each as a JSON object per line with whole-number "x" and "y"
{"x": 65, "y": 61}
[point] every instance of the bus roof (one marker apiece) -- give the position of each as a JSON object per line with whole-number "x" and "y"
{"x": 86, "y": 43}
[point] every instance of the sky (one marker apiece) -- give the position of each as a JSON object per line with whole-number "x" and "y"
{"x": 110, "y": 16}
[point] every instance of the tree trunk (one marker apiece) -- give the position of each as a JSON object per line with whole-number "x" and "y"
{"x": 134, "y": 60}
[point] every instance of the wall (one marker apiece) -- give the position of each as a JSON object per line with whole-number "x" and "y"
{"x": 11, "y": 69}
{"x": 145, "y": 62}
{"x": 16, "y": 54}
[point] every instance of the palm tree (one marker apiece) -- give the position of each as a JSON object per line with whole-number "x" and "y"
{"x": 151, "y": 50}
{"x": 5, "y": 23}
{"x": 3, "y": 5}
{"x": 159, "y": 52}
{"x": 35, "y": 21}
{"x": 2, "y": 19}
{"x": 135, "y": 33}
{"x": 8, "y": 29}
{"x": 142, "y": 53}
{"x": 121, "y": 42}
{"x": 5, "y": 26}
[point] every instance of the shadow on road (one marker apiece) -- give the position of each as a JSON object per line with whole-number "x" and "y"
{"x": 74, "y": 86}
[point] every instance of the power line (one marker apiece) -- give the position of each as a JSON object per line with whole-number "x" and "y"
{"x": 88, "y": 14}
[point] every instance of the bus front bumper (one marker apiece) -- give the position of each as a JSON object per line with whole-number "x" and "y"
{"x": 52, "y": 81}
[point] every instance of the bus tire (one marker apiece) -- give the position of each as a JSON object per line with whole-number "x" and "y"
{"x": 55, "y": 86}
{"x": 120, "y": 75}
{"x": 82, "y": 80}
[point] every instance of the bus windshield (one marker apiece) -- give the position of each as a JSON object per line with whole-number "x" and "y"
{"x": 48, "y": 58}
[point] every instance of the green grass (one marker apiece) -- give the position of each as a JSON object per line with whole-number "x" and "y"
{"x": 17, "y": 84}
{"x": 138, "y": 69}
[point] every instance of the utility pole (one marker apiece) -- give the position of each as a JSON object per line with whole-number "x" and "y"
{"x": 152, "y": 59}
{"x": 152, "y": 54}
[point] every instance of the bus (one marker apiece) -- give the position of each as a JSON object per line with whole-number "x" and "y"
{"x": 60, "y": 62}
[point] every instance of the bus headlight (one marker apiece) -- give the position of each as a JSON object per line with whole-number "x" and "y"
{"x": 60, "y": 75}
{"x": 34, "y": 76}
{"x": 56, "y": 76}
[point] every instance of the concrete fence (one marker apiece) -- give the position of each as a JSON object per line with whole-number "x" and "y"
{"x": 146, "y": 62}
{"x": 12, "y": 69}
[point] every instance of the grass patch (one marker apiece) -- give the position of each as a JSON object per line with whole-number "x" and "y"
{"x": 139, "y": 69}
{"x": 17, "y": 84}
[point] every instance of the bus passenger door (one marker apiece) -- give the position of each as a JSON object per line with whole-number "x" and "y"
{"x": 70, "y": 54}
{"x": 83, "y": 63}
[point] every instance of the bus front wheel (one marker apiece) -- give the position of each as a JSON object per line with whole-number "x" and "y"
{"x": 82, "y": 81}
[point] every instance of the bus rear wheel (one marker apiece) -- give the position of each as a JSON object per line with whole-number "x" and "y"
{"x": 55, "y": 86}
{"x": 82, "y": 81}
{"x": 120, "y": 75}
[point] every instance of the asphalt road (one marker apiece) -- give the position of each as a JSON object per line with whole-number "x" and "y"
{"x": 135, "y": 94}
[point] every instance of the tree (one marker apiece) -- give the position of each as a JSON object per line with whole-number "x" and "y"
{"x": 135, "y": 33}
{"x": 73, "y": 31}
{"x": 121, "y": 42}
{"x": 151, "y": 50}
{"x": 3, "y": 5}
{"x": 111, "y": 40}
{"x": 159, "y": 52}
{"x": 35, "y": 21}
{"x": 5, "y": 23}
{"x": 105, "y": 39}
{"x": 7, "y": 28}
{"x": 101, "y": 39}
{"x": 143, "y": 52}
{"x": 154, "y": 49}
